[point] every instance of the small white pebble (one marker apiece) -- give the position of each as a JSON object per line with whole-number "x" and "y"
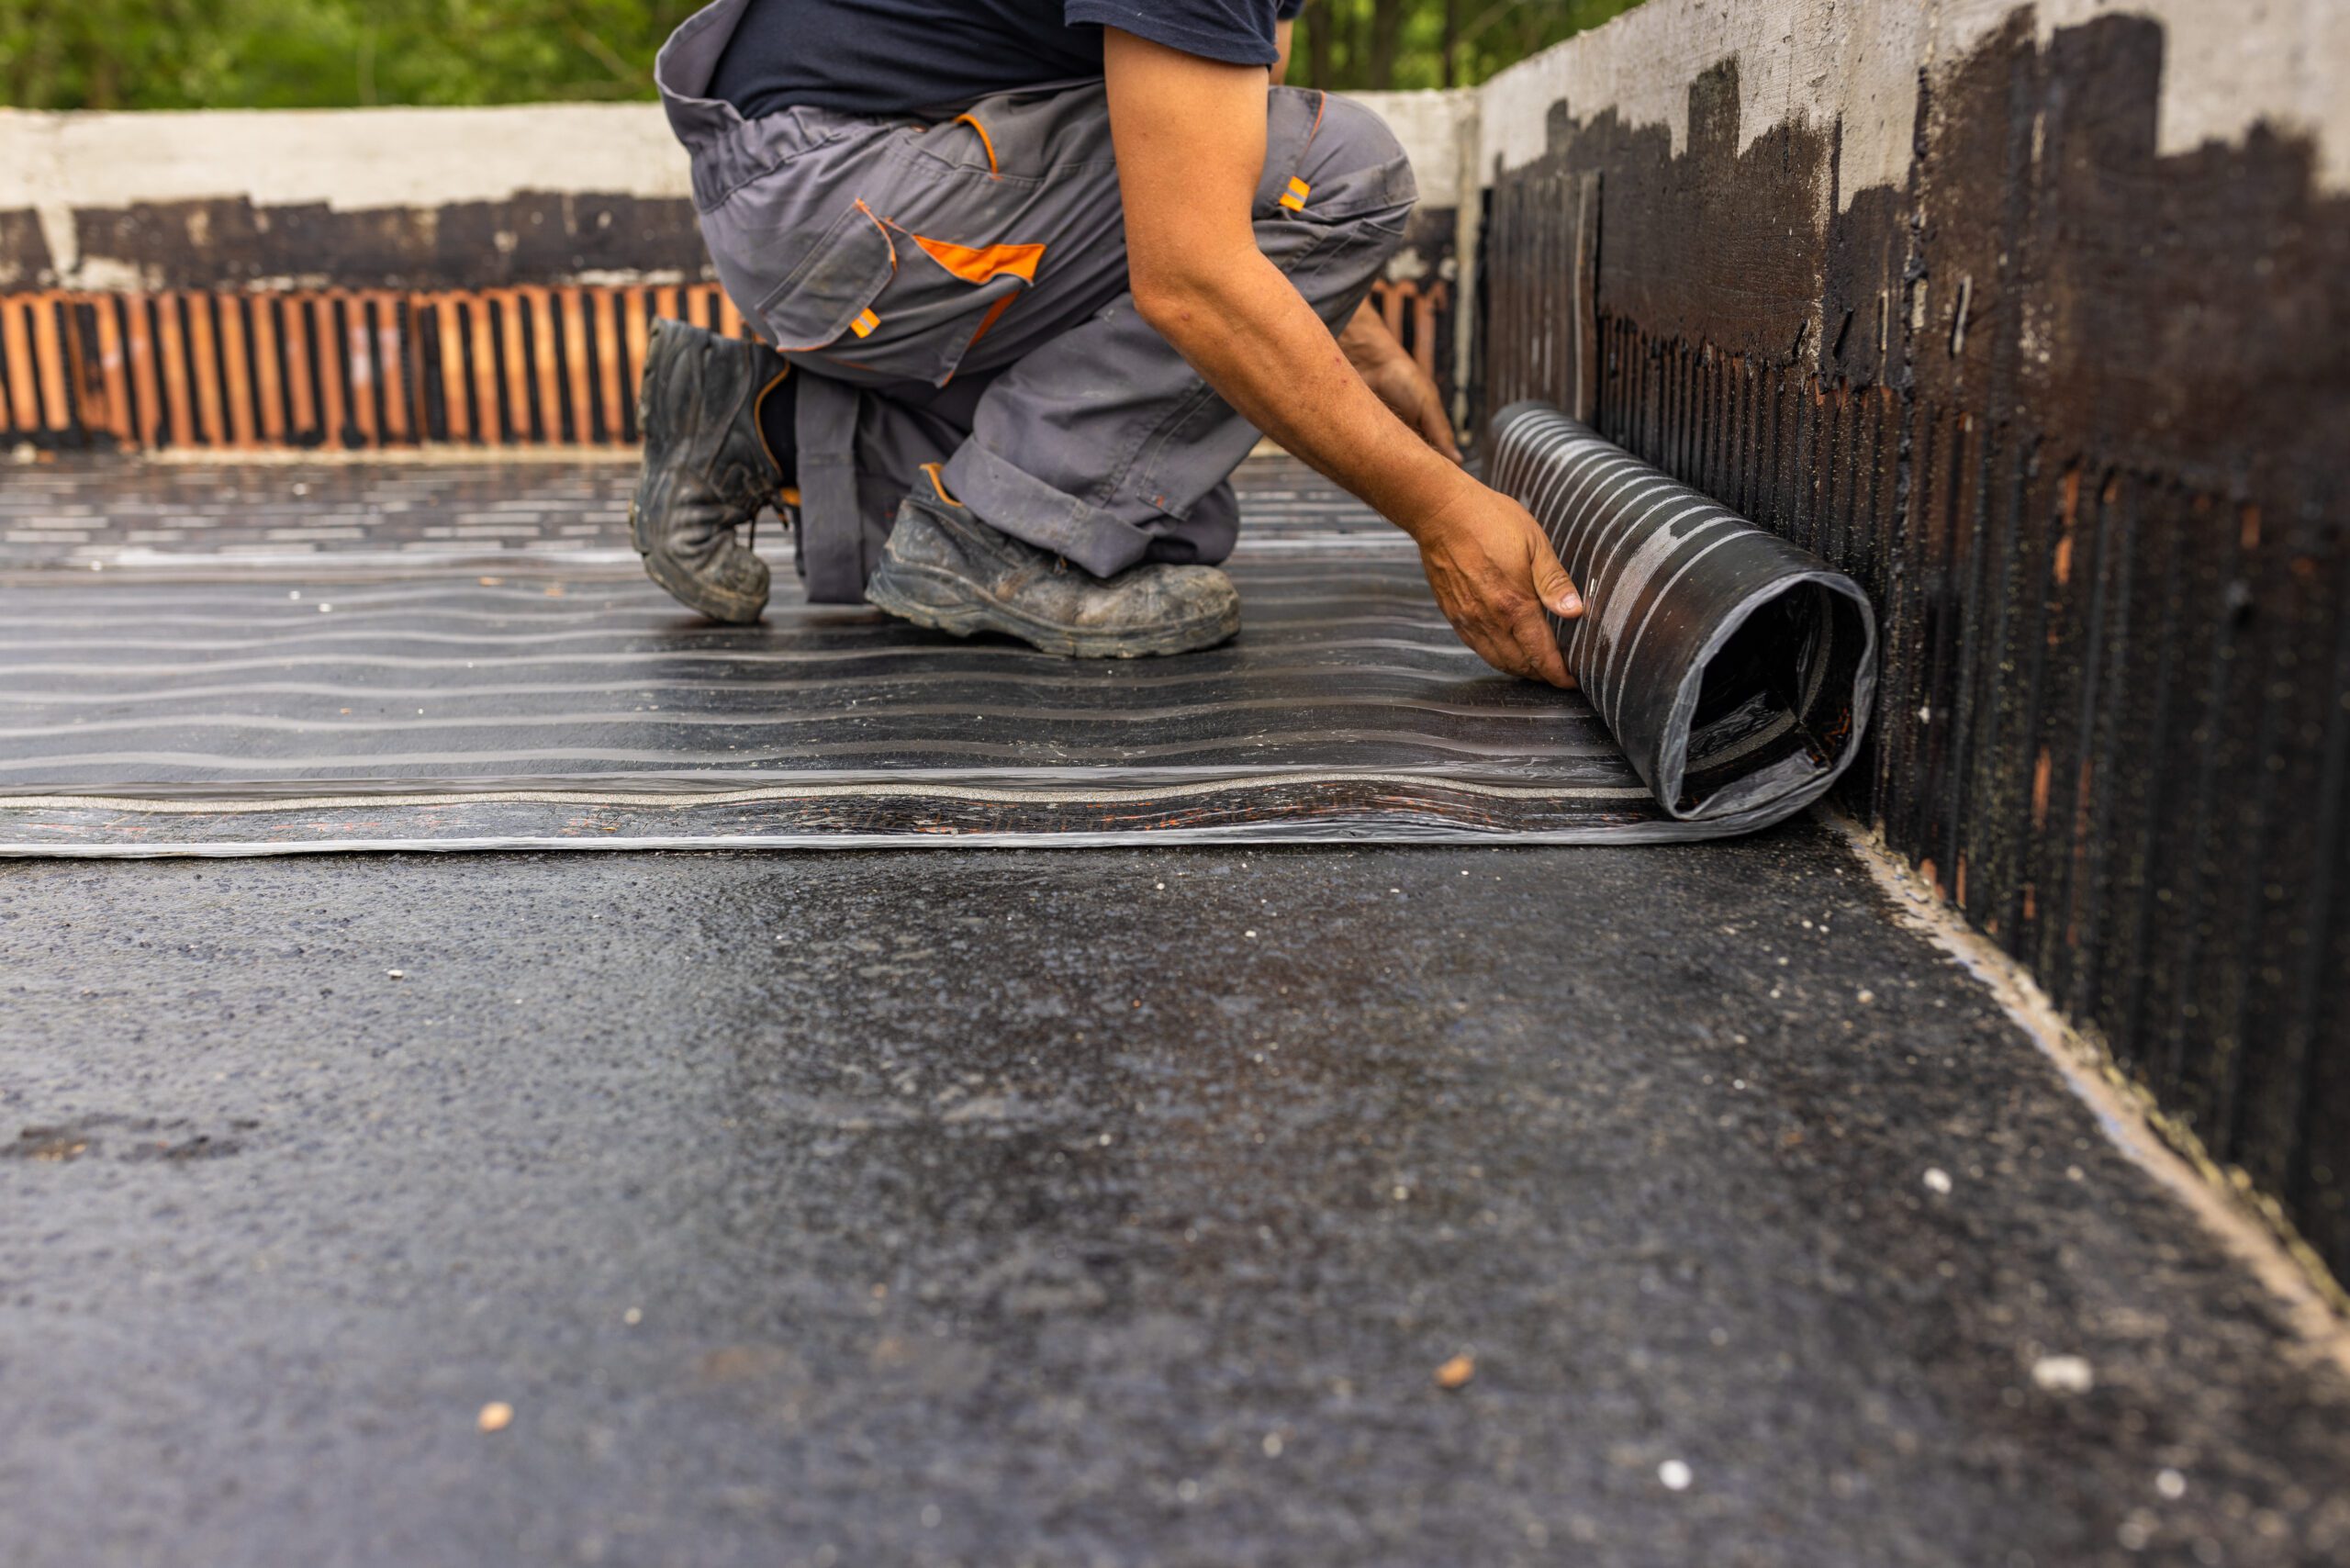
{"x": 1248, "y": 934}
{"x": 396, "y": 974}
{"x": 633, "y": 1317}
{"x": 1937, "y": 1179}
{"x": 324, "y": 608}
{"x": 2171, "y": 1485}
{"x": 2064, "y": 1374}
{"x": 1865, "y": 997}
{"x": 1272, "y": 1445}
{"x": 1674, "y": 1474}
{"x": 294, "y": 593}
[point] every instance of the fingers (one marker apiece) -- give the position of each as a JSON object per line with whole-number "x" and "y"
{"x": 1502, "y": 654}
{"x": 1495, "y": 575}
{"x": 1407, "y": 389}
{"x": 1525, "y": 649}
{"x": 1551, "y": 584}
{"x": 1556, "y": 591}
{"x": 1437, "y": 430}
{"x": 1539, "y": 648}
{"x": 1507, "y": 632}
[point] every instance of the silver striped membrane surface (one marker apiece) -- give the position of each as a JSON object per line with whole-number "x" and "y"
{"x": 83, "y": 512}
{"x": 360, "y": 693}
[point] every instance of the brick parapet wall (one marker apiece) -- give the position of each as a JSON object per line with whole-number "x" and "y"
{"x": 387, "y": 278}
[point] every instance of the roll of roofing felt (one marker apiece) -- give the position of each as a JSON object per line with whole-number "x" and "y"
{"x": 1734, "y": 669}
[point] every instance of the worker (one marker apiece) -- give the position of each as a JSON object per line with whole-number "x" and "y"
{"x": 1035, "y": 273}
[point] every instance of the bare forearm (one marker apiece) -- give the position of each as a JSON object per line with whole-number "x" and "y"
{"x": 1190, "y": 141}
{"x": 1254, "y": 338}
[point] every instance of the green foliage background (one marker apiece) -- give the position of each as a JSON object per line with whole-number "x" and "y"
{"x": 1430, "y": 43}
{"x": 169, "y": 54}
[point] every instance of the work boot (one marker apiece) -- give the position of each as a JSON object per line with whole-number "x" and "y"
{"x": 708, "y": 467}
{"x": 945, "y": 569}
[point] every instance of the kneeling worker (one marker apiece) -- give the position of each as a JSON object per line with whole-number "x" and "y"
{"x": 1038, "y": 272}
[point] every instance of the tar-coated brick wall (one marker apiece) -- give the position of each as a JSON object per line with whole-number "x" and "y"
{"x": 2077, "y": 414}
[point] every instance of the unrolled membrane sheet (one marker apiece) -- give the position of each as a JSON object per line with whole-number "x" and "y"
{"x": 385, "y": 688}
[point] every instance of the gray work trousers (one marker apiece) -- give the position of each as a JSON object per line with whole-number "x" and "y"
{"x": 956, "y": 292}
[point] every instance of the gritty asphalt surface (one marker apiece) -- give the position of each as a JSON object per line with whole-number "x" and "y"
{"x": 1102, "y": 1207}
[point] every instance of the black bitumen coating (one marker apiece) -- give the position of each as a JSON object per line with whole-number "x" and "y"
{"x": 1105, "y": 1207}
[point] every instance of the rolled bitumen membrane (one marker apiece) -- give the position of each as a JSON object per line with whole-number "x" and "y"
{"x": 1734, "y": 669}
{"x": 389, "y": 691}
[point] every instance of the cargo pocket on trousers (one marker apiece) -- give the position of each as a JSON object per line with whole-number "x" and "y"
{"x": 876, "y": 303}
{"x": 829, "y": 295}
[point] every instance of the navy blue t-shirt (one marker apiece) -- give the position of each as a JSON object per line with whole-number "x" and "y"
{"x": 893, "y": 57}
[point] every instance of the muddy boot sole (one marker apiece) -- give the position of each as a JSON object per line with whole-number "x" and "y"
{"x": 942, "y": 602}
{"x": 705, "y": 599}
{"x": 707, "y": 470}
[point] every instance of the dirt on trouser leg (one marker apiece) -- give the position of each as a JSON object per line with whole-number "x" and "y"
{"x": 945, "y": 569}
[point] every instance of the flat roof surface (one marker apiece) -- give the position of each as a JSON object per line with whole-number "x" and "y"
{"x": 1109, "y": 1207}
{"x": 1106, "y": 1206}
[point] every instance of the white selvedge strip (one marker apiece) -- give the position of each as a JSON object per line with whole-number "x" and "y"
{"x": 683, "y": 799}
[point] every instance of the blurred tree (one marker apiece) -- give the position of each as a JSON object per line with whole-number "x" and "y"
{"x": 155, "y": 54}
{"x": 1355, "y": 44}
{"x": 161, "y": 54}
